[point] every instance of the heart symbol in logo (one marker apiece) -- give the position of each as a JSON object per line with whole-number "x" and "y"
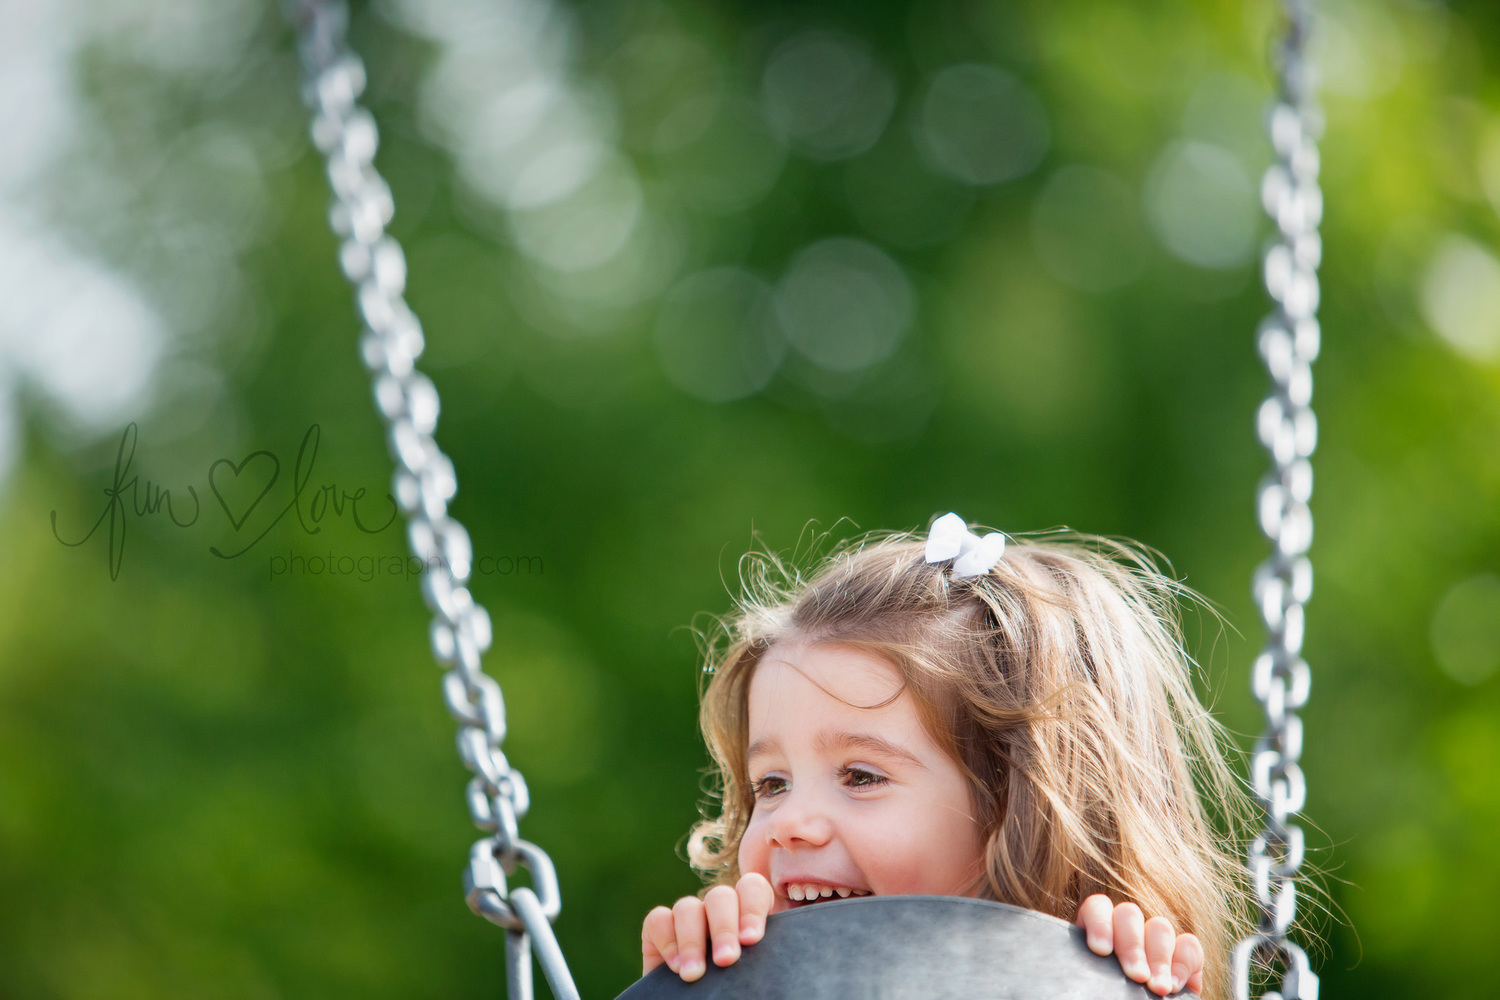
{"x": 234, "y": 484}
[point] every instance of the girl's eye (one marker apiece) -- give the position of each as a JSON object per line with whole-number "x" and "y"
{"x": 768, "y": 786}
{"x": 858, "y": 777}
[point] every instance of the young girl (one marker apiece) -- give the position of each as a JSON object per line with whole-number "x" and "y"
{"x": 948, "y": 715}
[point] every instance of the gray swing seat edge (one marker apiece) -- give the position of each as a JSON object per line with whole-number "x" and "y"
{"x": 906, "y": 948}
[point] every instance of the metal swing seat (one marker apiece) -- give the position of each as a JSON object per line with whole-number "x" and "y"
{"x": 908, "y": 948}
{"x": 890, "y": 947}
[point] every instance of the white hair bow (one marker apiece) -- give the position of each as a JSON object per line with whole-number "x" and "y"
{"x": 950, "y": 538}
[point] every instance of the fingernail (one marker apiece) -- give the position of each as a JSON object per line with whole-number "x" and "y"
{"x": 1161, "y": 983}
{"x": 692, "y": 969}
{"x": 1098, "y": 945}
{"x": 1139, "y": 971}
{"x": 1177, "y": 984}
{"x": 724, "y": 954}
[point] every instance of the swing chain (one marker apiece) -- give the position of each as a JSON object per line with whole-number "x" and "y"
{"x": 1287, "y": 341}
{"x": 424, "y": 482}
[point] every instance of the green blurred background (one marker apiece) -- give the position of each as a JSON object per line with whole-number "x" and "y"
{"x": 697, "y": 277}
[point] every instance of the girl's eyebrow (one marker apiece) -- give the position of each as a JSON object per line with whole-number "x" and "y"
{"x": 842, "y": 741}
{"x": 761, "y": 747}
{"x": 869, "y": 742}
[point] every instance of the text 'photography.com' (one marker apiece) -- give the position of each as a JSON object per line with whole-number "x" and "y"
{"x": 367, "y": 568}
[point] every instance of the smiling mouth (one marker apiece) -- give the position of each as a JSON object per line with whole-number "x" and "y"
{"x": 807, "y": 893}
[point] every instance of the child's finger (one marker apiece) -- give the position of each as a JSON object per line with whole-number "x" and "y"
{"x": 756, "y": 899}
{"x": 1160, "y": 939}
{"x": 1187, "y": 963}
{"x": 1130, "y": 941}
{"x": 692, "y": 931}
{"x": 1096, "y": 917}
{"x": 658, "y": 941}
{"x": 722, "y": 905}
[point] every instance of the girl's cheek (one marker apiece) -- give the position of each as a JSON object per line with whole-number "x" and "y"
{"x": 752, "y": 857}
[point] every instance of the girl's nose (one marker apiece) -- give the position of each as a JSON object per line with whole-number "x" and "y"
{"x": 799, "y": 821}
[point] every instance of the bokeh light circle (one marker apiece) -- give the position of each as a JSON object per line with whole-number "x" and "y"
{"x": 1466, "y": 629}
{"x": 980, "y": 125}
{"x": 827, "y": 94}
{"x": 732, "y": 164}
{"x": 1202, "y": 205}
{"x": 717, "y": 334}
{"x": 1086, "y": 229}
{"x": 586, "y": 229}
{"x": 1460, "y": 297}
{"x": 844, "y": 303}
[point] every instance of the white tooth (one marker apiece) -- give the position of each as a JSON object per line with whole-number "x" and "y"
{"x": 827, "y": 890}
{"x": 843, "y": 893}
{"x": 794, "y": 891}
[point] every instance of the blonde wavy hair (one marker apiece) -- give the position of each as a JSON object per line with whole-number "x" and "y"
{"x": 1059, "y": 684}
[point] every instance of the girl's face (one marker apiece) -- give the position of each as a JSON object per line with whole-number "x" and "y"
{"x": 850, "y": 800}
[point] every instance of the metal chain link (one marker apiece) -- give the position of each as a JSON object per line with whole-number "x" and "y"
{"x": 333, "y": 79}
{"x": 1288, "y": 343}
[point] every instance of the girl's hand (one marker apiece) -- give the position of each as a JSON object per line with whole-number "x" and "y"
{"x": 726, "y": 918}
{"x": 1149, "y": 950}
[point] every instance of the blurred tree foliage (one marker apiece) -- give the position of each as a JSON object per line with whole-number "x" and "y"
{"x": 230, "y": 777}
